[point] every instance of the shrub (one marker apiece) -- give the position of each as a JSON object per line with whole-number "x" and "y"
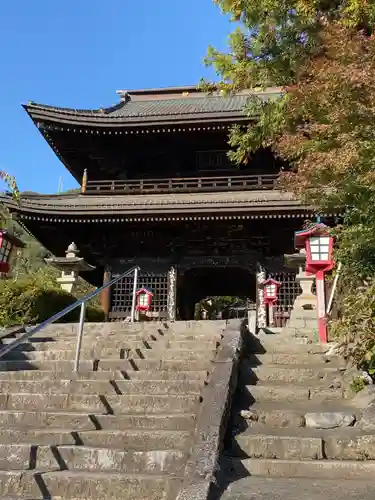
{"x": 355, "y": 328}
{"x": 37, "y": 297}
{"x": 357, "y": 384}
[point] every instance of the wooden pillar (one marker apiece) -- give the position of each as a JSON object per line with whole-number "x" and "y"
{"x": 84, "y": 182}
{"x": 261, "y": 308}
{"x": 172, "y": 292}
{"x": 105, "y": 296}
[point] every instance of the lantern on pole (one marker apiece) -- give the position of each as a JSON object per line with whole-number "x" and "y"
{"x": 319, "y": 249}
{"x": 8, "y": 243}
{"x": 271, "y": 294}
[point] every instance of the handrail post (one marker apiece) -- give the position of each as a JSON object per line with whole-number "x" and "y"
{"x": 132, "y": 314}
{"x": 80, "y": 336}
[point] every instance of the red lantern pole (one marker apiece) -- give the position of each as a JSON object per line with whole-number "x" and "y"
{"x": 321, "y": 306}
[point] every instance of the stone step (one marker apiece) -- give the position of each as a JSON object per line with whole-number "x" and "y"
{"x": 274, "y": 446}
{"x": 346, "y": 447}
{"x": 287, "y": 373}
{"x": 141, "y": 326}
{"x": 26, "y": 419}
{"x": 156, "y": 364}
{"x": 114, "y": 344}
{"x": 263, "y": 488}
{"x": 281, "y": 414}
{"x": 305, "y": 444}
{"x": 166, "y": 375}
{"x": 302, "y": 330}
{"x": 282, "y": 344}
{"x": 73, "y": 485}
{"x": 320, "y": 469}
{"x": 107, "y": 387}
{"x": 172, "y": 354}
{"x": 287, "y": 392}
{"x": 103, "y": 460}
{"x": 314, "y": 360}
{"x": 115, "y": 404}
{"x": 133, "y": 329}
{"x": 108, "y": 365}
{"x": 109, "y": 353}
{"x": 39, "y": 375}
{"x": 54, "y": 458}
{"x": 53, "y": 338}
{"x": 156, "y": 333}
{"x": 136, "y": 440}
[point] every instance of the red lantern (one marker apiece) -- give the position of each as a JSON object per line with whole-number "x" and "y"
{"x": 144, "y": 298}
{"x": 271, "y": 290}
{"x": 319, "y": 247}
{"x": 7, "y": 244}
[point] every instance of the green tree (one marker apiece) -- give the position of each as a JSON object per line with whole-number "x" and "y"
{"x": 269, "y": 46}
{"x": 11, "y": 183}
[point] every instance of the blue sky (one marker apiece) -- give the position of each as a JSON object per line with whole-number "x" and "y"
{"x": 77, "y": 53}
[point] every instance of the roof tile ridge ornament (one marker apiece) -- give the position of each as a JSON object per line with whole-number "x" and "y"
{"x": 124, "y": 96}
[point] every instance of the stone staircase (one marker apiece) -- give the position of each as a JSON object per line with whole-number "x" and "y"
{"x": 122, "y": 428}
{"x": 291, "y": 422}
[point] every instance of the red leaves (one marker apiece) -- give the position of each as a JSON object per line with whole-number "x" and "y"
{"x": 330, "y": 117}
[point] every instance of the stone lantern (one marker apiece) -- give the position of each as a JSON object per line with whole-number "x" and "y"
{"x": 70, "y": 267}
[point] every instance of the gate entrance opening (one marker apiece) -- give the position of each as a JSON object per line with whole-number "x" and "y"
{"x": 201, "y": 282}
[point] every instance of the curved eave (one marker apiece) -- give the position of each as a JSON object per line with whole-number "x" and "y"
{"x": 96, "y": 119}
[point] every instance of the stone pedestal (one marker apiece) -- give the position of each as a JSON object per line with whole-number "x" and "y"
{"x": 303, "y": 314}
{"x": 306, "y": 301}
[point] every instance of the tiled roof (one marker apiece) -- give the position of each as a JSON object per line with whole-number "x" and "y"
{"x": 183, "y": 106}
{"x": 153, "y": 107}
{"x": 74, "y": 205}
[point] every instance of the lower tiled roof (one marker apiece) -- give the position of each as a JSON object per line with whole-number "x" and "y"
{"x": 240, "y": 201}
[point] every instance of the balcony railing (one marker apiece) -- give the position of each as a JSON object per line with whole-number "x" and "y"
{"x": 181, "y": 185}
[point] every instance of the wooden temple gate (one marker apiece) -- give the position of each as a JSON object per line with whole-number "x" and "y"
{"x": 158, "y": 190}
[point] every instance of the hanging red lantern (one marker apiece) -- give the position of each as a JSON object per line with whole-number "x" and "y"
{"x": 8, "y": 243}
{"x": 144, "y": 298}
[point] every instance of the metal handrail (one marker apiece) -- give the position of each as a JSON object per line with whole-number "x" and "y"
{"x": 81, "y": 302}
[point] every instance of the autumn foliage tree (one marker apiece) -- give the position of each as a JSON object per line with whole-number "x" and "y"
{"x": 327, "y": 134}
{"x": 321, "y": 54}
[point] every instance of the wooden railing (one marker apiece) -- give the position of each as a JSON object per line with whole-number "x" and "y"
{"x": 181, "y": 185}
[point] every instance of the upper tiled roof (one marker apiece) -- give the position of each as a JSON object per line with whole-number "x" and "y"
{"x": 182, "y": 106}
{"x": 184, "y": 103}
